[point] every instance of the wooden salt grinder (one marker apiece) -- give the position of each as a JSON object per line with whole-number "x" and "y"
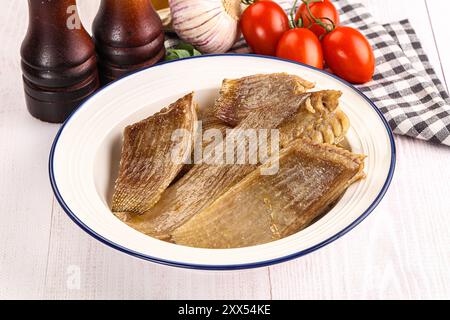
{"x": 128, "y": 36}
{"x": 58, "y": 60}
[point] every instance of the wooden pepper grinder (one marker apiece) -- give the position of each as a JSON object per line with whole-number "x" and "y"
{"x": 58, "y": 60}
{"x": 128, "y": 36}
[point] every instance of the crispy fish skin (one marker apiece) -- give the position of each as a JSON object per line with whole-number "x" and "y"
{"x": 204, "y": 183}
{"x": 147, "y": 166}
{"x": 261, "y": 209}
{"x": 238, "y": 97}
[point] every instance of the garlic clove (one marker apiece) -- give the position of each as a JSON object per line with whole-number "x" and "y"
{"x": 212, "y": 26}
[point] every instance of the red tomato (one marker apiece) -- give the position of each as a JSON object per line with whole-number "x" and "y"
{"x": 324, "y": 9}
{"x": 301, "y": 45}
{"x": 349, "y": 55}
{"x": 262, "y": 24}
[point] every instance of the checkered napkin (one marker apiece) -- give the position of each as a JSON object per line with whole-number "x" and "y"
{"x": 405, "y": 87}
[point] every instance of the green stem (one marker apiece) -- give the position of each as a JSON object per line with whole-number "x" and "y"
{"x": 292, "y": 21}
{"x": 327, "y": 26}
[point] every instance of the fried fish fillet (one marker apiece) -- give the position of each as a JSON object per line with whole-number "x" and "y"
{"x": 204, "y": 183}
{"x": 264, "y": 208}
{"x": 238, "y": 97}
{"x": 147, "y": 164}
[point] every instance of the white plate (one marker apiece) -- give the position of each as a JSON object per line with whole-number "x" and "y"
{"x": 86, "y": 152}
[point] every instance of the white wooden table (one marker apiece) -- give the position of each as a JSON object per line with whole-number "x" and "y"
{"x": 401, "y": 251}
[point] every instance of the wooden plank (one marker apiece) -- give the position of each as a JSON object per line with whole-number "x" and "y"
{"x": 25, "y": 193}
{"x": 87, "y": 10}
{"x": 108, "y": 274}
{"x": 401, "y": 250}
{"x": 415, "y": 11}
{"x": 438, "y": 11}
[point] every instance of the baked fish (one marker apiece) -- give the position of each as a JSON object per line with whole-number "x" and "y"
{"x": 238, "y": 97}
{"x": 147, "y": 164}
{"x": 204, "y": 183}
{"x": 264, "y": 208}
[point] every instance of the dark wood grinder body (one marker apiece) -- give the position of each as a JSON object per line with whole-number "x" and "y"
{"x": 128, "y": 36}
{"x": 58, "y": 60}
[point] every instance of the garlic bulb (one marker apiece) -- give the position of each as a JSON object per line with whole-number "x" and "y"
{"x": 212, "y": 26}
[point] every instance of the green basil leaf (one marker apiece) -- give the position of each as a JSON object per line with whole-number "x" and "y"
{"x": 171, "y": 55}
{"x": 182, "y": 53}
{"x": 186, "y": 46}
{"x": 182, "y": 50}
{"x": 196, "y": 53}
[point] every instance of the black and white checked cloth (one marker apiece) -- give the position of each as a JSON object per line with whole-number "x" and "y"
{"x": 405, "y": 87}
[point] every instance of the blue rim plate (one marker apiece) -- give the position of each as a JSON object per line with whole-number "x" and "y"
{"x": 72, "y": 215}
